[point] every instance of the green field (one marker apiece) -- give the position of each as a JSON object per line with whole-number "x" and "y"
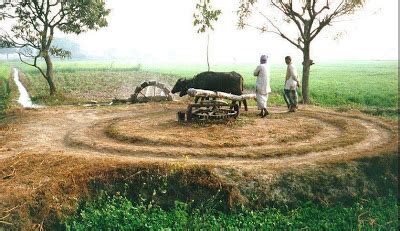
{"x": 354, "y": 84}
{"x": 119, "y": 213}
{"x": 4, "y": 88}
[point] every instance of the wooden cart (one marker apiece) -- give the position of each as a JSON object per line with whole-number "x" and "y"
{"x": 214, "y": 105}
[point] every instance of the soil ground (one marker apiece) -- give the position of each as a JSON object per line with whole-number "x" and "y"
{"x": 150, "y": 132}
{"x": 43, "y": 149}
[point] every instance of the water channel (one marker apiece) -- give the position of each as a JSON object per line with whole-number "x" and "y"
{"x": 24, "y": 98}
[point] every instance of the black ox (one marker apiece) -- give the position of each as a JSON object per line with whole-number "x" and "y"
{"x": 229, "y": 82}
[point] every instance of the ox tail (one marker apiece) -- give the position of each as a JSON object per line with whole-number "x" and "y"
{"x": 241, "y": 83}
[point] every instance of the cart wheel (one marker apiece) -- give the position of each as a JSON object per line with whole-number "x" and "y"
{"x": 150, "y": 90}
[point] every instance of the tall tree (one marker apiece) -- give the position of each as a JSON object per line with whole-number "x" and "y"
{"x": 307, "y": 17}
{"x": 204, "y": 17}
{"x": 35, "y": 23}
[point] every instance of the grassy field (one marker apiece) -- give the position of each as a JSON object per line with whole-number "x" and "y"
{"x": 355, "y": 84}
{"x": 86, "y": 81}
{"x": 4, "y": 88}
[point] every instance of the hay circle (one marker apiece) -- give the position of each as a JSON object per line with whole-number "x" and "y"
{"x": 307, "y": 134}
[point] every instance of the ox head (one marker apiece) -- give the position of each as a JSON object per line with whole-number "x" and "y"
{"x": 180, "y": 86}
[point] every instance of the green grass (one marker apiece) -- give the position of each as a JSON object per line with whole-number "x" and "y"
{"x": 118, "y": 213}
{"x": 67, "y": 66}
{"x": 352, "y": 84}
{"x": 5, "y": 71}
{"x": 86, "y": 81}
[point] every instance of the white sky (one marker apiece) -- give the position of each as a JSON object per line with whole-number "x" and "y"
{"x": 161, "y": 31}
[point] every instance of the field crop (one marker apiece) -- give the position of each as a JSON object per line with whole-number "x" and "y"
{"x": 4, "y": 88}
{"x": 79, "y": 82}
{"x": 118, "y": 213}
{"x": 353, "y": 84}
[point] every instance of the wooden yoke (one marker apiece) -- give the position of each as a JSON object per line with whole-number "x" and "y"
{"x": 219, "y": 95}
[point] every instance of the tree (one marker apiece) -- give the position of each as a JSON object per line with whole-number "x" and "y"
{"x": 308, "y": 18}
{"x": 204, "y": 18}
{"x": 36, "y": 21}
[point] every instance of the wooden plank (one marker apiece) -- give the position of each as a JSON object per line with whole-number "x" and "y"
{"x": 217, "y": 94}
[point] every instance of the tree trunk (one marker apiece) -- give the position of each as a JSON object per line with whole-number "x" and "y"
{"x": 306, "y": 73}
{"x": 50, "y": 74}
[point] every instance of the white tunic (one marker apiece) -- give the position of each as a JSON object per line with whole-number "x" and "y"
{"x": 262, "y": 84}
{"x": 291, "y": 78}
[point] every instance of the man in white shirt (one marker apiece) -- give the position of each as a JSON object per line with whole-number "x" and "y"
{"x": 262, "y": 85}
{"x": 291, "y": 85}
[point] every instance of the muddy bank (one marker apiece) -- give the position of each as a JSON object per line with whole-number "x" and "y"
{"x": 33, "y": 196}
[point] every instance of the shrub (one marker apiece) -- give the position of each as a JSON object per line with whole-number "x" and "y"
{"x": 118, "y": 213}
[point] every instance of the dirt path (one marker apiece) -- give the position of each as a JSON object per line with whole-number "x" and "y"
{"x": 150, "y": 133}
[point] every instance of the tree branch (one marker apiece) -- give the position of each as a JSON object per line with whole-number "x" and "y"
{"x": 37, "y": 12}
{"x": 55, "y": 3}
{"x": 62, "y": 11}
{"x": 283, "y": 8}
{"x": 326, "y": 7}
{"x": 34, "y": 24}
{"x": 55, "y": 16}
{"x": 7, "y": 15}
{"x": 340, "y": 10}
{"x": 292, "y": 12}
{"x": 9, "y": 42}
{"x": 278, "y": 31}
{"x": 32, "y": 65}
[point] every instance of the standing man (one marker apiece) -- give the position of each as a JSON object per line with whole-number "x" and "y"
{"x": 291, "y": 85}
{"x": 262, "y": 85}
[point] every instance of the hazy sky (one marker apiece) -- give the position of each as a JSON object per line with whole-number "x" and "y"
{"x": 162, "y": 31}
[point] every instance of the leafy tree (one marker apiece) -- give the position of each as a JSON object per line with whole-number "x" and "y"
{"x": 307, "y": 17}
{"x": 204, "y": 17}
{"x": 36, "y": 21}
